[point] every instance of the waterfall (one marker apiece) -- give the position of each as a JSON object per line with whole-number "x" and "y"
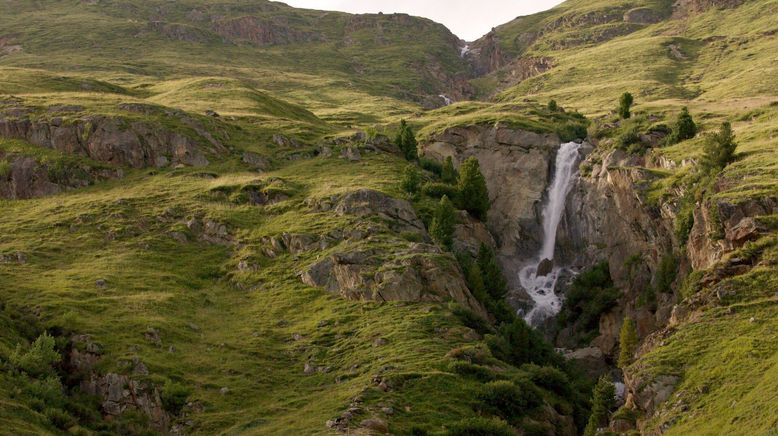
{"x": 540, "y": 276}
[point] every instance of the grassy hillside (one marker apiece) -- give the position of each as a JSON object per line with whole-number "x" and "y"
{"x": 226, "y": 317}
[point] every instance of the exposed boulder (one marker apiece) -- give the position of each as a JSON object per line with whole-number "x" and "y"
{"x": 420, "y": 273}
{"x": 470, "y": 234}
{"x": 256, "y": 161}
{"x": 367, "y": 202}
{"x": 643, "y": 15}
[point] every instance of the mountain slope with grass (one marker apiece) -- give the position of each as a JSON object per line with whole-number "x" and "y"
{"x": 213, "y": 220}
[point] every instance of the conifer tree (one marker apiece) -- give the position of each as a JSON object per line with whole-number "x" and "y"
{"x": 411, "y": 179}
{"x": 625, "y": 104}
{"x": 493, "y": 279}
{"x": 684, "y": 128}
{"x": 443, "y": 222}
{"x": 448, "y": 174}
{"x": 406, "y": 141}
{"x": 719, "y": 149}
{"x": 602, "y": 402}
{"x": 472, "y": 189}
{"x": 628, "y": 342}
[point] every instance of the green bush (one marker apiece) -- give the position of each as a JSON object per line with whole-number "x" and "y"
{"x": 443, "y": 223}
{"x": 411, "y": 180}
{"x": 625, "y": 104}
{"x": 666, "y": 273}
{"x": 439, "y": 190}
{"x": 548, "y": 377}
{"x": 174, "y": 396}
{"x": 629, "y": 137}
{"x": 602, "y": 402}
{"x": 493, "y": 279}
{"x": 474, "y": 195}
{"x": 517, "y": 343}
{"x": 59, "y": 418}
{"x": 553, "y": 106}
{"x": 571, "y": 131}
{"x": 431, "y": 165}
{"x": 38, "y": 360}
{"x": 471, "y": 370}
{"x": 448, "y": 174}
{"x": 406, "y": 141}
{"x": 481, "y": 427}
{"x": 684, "y": 219}
{"x": 719, "y": 149}
{"x": 507, "y": 400}
{"x": 628, "y": 342}
{"x": 591, "y": 294}
{"x": 684, "y": 128}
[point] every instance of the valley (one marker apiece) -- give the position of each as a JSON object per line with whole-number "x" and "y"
{"x": 246, "y": 218}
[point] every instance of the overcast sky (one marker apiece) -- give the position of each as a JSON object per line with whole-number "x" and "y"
{"x": 468, "y": 19}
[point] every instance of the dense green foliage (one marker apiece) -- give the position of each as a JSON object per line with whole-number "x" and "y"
{"x": 411, "y": 179}
{"x": 684, "y": 127}
{"x": 625, "y": 105}
{"x": 439, "y": 190}
{"x": 448, "y": 174}
{"x": 473, "y": 192}
{"x": 603, "y": 400}
{"x": 719, "y": 148}
{"x": 493, "y": 278}
{"x": 406, "y": 141}
{"x": 481, "y": 427}
{"x": 507, "y": 400}
{"x": 628, "y": 342}
{"x": 443, "y": 222}
{"x": 591, "y": 294}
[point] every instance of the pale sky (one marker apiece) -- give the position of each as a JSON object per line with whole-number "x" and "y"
{"x": 468, "y": 19}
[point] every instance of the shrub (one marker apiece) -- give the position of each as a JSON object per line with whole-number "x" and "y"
{"x": 517, "y": 343}
{"x": 719, "y": 149}
{"x": 174, "y": 396}
{"x": 431, "y": 165}
{"x": 493, "y": 279}
{"x": 602, "y": 402}
{"x": 471, "y": 370}
{"x": 406, "y": 141}
{"x": 59, "y": 418}
{"x": 439, "y": 190}
{"x": 502, "y": 398}
{"x": 684, "y": 220}
{"x": 470, "y": 319}
{"x": 666, "y": 273}
{"x": 481, "y": 427}
{"x": 684, "y": 128}
{"x": 625, "y": 104}
{"x": 591, "y": 294}
{"x": 553, "y": 106}
{"x": 571, "y": 131}
{"x": 443, "y": 223}
{"x": 448, "y": 174}
{"x": 628, "y": 138}
{"x": 548, "y": 377}
{"x": 628, "y": 342}
{"x": 38, "y": 360}
{"x": 411, "y": 179}
{"x": 473, "y": 192}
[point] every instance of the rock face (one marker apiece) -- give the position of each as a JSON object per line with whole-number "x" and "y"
{"x": 261, "y": 31}
{"x": 23, "y": 177}
{"x": 118, "y": 393}
{"x": 110, "y": 140}
{"x": 735, "y": 223}
{"x": 408, "y": 272}
{"x": 517, "y": 166}
{"x": 486, "y": 54}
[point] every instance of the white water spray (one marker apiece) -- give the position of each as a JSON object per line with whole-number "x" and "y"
{"x": 464, "y": 50}
{"x": 540, "y": 287}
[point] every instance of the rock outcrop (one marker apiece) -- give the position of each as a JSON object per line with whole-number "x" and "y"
{"x": 407, "y": 272}
{"x": 110, "y": 140}
{"x": 117, "y": 393}
{"x": 263, "y": 31}
{"x": 517, "y": 166}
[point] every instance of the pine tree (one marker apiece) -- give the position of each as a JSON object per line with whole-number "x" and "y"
{"x": 628, "y": 342}
{"x": 602, "y": 402}
{"x": 475, "y": 282}
{"x": 719, "y": 149}
{"x": 684, "y": 128}
{"x": 493, "y": 279}
{"x": 411, "y": 179}
{"x": 472, "y": 189}
{"x": 406, "y": 141}
{"x": 625, "y": 104}
{"x": 448, "y": 174}
{"x": 553, "y": 106}
{"x": 443, "y": 222}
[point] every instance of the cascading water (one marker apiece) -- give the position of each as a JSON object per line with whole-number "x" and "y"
{"x": 540, "y": 276}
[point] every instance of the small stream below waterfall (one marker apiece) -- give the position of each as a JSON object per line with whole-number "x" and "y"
{"x": 539, "y": 277}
